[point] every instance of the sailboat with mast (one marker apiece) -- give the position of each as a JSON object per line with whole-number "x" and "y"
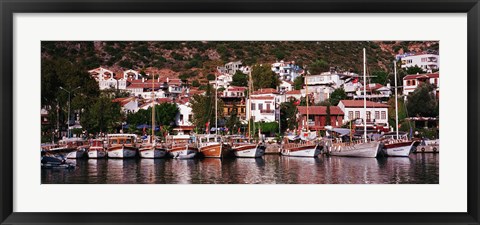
{"x": 304, "y": 145}
{"x": 246, "y": 147}
{"x": 396, "y": 146}
{"x": 212, "y": 146}
{"x": 152, "y": 149}
{"x": 361, "y": 148}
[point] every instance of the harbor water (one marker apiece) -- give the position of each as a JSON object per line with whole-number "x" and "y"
{"x": 420, "y": 168}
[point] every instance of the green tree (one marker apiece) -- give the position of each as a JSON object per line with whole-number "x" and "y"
{"x": 233, "y": 122}
{"x": 210, "y": 77}
{"x": 203, "y": 108}
{"x": 402, "y": 110}
{"x": 414, "y": 70}
{"x": 298, "y": 82}
{"x": 165, "y": 113}
{"x": 318, "y": 67}
{"x": 422, "y": 101}
{"x": 195, "y": 83}
{"x": 103, "y": 116}
{"x": 288, "y": 111}
{"x": 264, "y": 77}
{"x": 380, "y": 77}
{"x": 337, "y": 95}
{"x": 239, "y": 79}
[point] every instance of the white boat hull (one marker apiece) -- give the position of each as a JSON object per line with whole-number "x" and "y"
{"x": 76, "y": 154}
{"x": 307, "y": 151}
{"x": 153, "y": 153}
{"x": 96, "y": 154}
{"x": 249, "y": 151}
{"x": 122, "y": 152}
{"x": 398, "y": 149}
{"x": 363, "y": 150}
{"x": 183, "y": 152}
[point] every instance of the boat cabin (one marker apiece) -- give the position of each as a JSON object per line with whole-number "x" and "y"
{"x": 122, "y": 139}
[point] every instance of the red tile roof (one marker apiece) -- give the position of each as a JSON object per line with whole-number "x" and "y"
{"x": 359, "y": 104}
{"x": 319, "y": 110}
{"x": 236, "y": 88}
{"x": 262, "y": 97}
{"x": 146, "y": 84}
{"x": 123, "y": 101}
{"x": 265, "y": 91}
{"x": 293, "y": 92}
{"x": 373, "y": 86}
{"x": 426, "y": 75}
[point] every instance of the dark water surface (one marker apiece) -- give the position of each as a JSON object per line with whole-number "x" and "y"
{"x": 271, "y": 169}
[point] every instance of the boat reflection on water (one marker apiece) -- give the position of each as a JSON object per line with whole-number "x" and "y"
{"x": 246, "y": 170}
{"x": 300, "y": 170}
{"x": 152, "y": 170}
{"x": 97, "y": 170}
{"x": 124, "y": 167}
{"x": 209, "y": 171}
{"x": 182, "y": 171}
{"x": 345, "y": 170}
{"x": 397, "y": 168}
{"x": 270, "y": 169}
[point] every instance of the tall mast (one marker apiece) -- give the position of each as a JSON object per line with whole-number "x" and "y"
{"x": 153, "y": 109}
{"x": 364, "y": 94}
{"x": 249, "y": 101}
{"x": 396, "y": 98}
{"x": 306, "y": 95}
{"x": 216, "y": 103}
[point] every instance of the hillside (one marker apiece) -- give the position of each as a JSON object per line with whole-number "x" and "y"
{"x": 172, "y": 58}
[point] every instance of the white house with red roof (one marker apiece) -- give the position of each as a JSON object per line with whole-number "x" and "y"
{"x": 128, "y": 105}
{"x": 294, "y": 94}
{"x": 263, "y": 104}
{"x": 234, "y": 91}
{"x": 411, "y": 82}
{"x": 354, "y": 109}
{"x": 285, "y": 86}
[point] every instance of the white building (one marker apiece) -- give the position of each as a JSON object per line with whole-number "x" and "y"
{"x": 286, "y": 70}
{"x": 263, "y": 105}
{"x": 128, "y": 105}
{"x": 427, "y": 62}
{"x": 354, "y": 109}
{"x": 285, "y": 86}
{"x": 411, "y": 82}
{"x": 104, "y": 77}
{"x": 184, "y": 115}
{"x": 128, "y": 75}
{"x": 261, "y": 108}
{"x": 322, "y": 85}
{"x": 374, "y": 91}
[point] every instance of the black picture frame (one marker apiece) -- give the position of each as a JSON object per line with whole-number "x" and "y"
{"x": 9, "y": 7}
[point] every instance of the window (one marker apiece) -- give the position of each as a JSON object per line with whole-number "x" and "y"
{"x": 242, "y": 110}
{"x": 190, "y": 117}
{"x": 369, "y": 115}
{"x": 350, "y": 115}
{"x": 357, "y": 114}
{"x": 260, "y": 106}
{"x": 253, "y": 106}
{"x": 377, "y": 114}
{"x": 268, "y": 107}
{"x": 181, "y": 117}
{"x": 384, "y": 115}
{"x": 413, "y": 82}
